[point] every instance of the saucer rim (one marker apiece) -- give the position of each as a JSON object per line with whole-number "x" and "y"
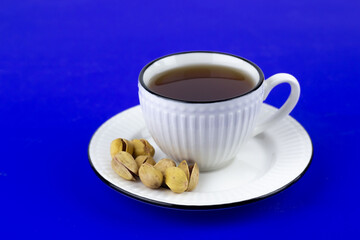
{"x": 198, "y": 207}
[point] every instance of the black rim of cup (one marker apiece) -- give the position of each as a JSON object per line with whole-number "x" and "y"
{"x": 260, "y": 82}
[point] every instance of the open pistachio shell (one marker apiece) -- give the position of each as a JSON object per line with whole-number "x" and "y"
{"x": 128, "y": 161}
{"x": 150, "y": 176}
{"x": 144, "y": 159}
{"x": 176, "y": 179}
{"x": 121, "y": 144}
{"x": 184, "y": 166}
{"x": 142, "y": 147}
{"x": 163, "y": 164}
{"x": 121, "y": 170}
{"x": 194, "y": 177}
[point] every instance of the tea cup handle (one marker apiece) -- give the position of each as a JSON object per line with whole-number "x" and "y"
{"x": 287, "y": 107}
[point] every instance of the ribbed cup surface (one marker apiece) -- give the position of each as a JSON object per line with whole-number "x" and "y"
{"x": 209, "y": 133}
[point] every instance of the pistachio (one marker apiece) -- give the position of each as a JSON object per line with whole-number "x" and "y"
{"x": 163, "y": 164}
{"x": 131, "y": 158}
{"x": 142, "y": 147}
{"x": 150, "y": 176}
{"x": 144, "y": 159}
{"x": 194, "y": 177}
{"x": 184, "y": 166}
{"x": 192, "y": 174}
{"x": 176, "y": 179}
{"x": 124, "y": 165}
{"x": 121, "y": 144}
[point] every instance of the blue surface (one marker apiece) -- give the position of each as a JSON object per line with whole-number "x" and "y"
{"x": 68, "y": 66}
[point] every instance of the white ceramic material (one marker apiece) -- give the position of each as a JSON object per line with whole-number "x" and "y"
{"x": 266, "y": 164}
{"x": 209, "y": 133}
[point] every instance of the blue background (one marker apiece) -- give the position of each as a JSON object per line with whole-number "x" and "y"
{"x": 68, "y": 66}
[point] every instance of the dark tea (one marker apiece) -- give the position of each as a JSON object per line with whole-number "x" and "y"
{"x": 202, "y": 83}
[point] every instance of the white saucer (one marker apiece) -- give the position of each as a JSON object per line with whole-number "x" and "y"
{"x": 266, "y": 164}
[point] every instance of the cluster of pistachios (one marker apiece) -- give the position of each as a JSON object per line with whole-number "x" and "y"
{"x": 135, "y": 158}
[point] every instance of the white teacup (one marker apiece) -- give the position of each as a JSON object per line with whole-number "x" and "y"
{"x": 209, "y": 133}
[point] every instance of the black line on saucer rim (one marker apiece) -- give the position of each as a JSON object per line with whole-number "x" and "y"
{"x": 198, "y": 207}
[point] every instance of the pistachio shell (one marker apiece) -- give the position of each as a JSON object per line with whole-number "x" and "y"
{"x": 142, "y": 147}
{"x": 176, "y": 179}
{"x": 121, "y": 144}
{"x": 128, "y": 161}
{"x": 163, "y": 164}
{"x": 184, "y": 166}
{"x": 121, "y": 170}
{"x": 144, "y": 159}
{"x": 194, "y": 177}
{"x": 150, "y": 176}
